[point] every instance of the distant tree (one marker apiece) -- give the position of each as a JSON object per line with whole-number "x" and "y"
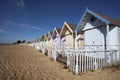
{"x": 23, "y": 41}
{"x": 19, "y": 41}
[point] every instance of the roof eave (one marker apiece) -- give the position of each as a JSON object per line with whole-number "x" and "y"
{"x": 91, "y": 12}
{"x": 99, "y": 17}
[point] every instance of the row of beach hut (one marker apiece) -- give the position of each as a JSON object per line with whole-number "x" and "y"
{"x": 95, "y": 33}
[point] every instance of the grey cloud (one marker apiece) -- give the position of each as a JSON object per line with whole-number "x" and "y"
{"x": 3, "y": 31}
{"x": 14, "y": 24}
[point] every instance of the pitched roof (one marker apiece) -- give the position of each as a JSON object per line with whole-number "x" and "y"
{"x": 58, "y": 30}
{"x": 44, "y": 37}
{"x": 111, "y": 20}
{"x": 102, "y": 17}
{"x": 51, "y": 33}
{"x": 69, "y": 26}
{"x": 55, "y": 32}
{"x": 72, "y": 26}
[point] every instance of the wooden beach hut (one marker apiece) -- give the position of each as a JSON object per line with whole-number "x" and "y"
{"x": 68, "y": 35}
{"x": 100, "y": 31}
{"x": 56, "y": 37}
{"x": 50, "y": 39}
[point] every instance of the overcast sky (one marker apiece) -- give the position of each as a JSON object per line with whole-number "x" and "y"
{"x": 30, "y": 19}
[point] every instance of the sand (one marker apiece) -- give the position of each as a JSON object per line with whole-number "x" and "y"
{"x": 19, "y": 62}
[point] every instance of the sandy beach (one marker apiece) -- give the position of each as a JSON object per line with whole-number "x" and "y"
{"x": 19, "y": 62}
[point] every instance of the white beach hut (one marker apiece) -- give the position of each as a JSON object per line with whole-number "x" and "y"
{"x": 100, "y": 31}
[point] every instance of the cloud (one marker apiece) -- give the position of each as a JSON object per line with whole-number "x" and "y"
{"x": 25, "y": 26}
{"x": 20, "y": 5}
{"x": 29, "y": 26}
{"x": 3, "y": 31}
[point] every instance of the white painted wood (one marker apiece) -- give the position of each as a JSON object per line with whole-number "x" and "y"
{"x": 118, "y": 30}
{"x": 76, "y": 64}
{"x": 83, "y": 61}
{"x": 90, "y": 63}
{"x": 113, "y": 38}
{"x": 93, "y": 38}
{"x": 80, "y": 62}
{"x": 87, "y": 63}
{"x": 107, "y": 37}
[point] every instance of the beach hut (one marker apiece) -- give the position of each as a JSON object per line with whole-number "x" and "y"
{"x": 56, "y": 37}
{"x": 68, "y": 35}
{"x": 46, "y": 39}
{"x": 43, "y": 40}
{"x": 100, "y": 31}
{"x": 48, "y": 42}
{"x": 50, "y": 39}
{"x": 44, "y": 44}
